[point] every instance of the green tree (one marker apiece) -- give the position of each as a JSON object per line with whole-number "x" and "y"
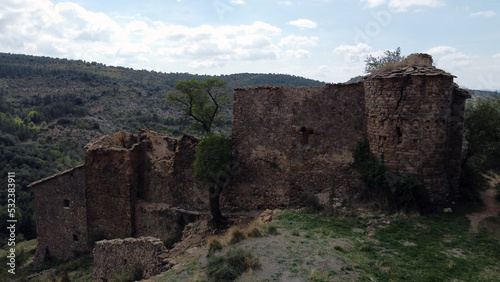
{"x": 213, "y": 168}
{"x": 202, "y": 101}
{"x": 373, "y": 63}
{"x": 482, "y": 133}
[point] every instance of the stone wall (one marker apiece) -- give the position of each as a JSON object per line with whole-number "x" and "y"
{"x": 111, "y": 173}
{"x": 112, "y": 257}
{"x": 161, "y": 220}
{"x": 120, "y": 170}
{"x": 291, "y": 140}
{"x": 61, "y": 215}
{"x": 168, "y": 172}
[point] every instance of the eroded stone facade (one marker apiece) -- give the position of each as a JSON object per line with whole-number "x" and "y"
{"x": 113, "y": 257}
{"x": 292, "y": 140}
{"x": 115, "y": 193}
{"x": 287, "y": 141}
{"x": 61, "y": 214}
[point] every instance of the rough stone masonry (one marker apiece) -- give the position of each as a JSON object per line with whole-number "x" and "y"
{"x": 287, "y": 141}
{"x": 291, "y": 140}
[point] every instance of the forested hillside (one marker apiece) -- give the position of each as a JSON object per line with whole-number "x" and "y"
{"x": 51, "y": 108}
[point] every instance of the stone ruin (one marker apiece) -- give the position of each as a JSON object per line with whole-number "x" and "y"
{"x": 131, "y": 185}
{"x": 292, "y": 140}
{"x": 287, "y": 141}
{"x": 113, "y": 257}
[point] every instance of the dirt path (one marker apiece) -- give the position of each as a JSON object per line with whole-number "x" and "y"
{"x": 491, "y": 207}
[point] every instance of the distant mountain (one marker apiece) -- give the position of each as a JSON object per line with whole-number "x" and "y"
{"x": 483, "y": 93}
{"x": 79, "y": 101}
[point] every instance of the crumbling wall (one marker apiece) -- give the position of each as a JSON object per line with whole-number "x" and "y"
{"x": 111, "y": 170}
{"x": 161, "y": 220}
{"x": 168, "y": 172}
{"x": 290, "y": 140}
{"x": 61, "y": 215}
{"x": 112, "y": 257}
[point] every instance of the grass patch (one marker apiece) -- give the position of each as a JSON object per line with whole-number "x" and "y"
{"x": 128, "y": 275}
{"x": 230, "y": 266}
{"x": 214, "y": 245}
{"x": 434, "y": 247}
{"x": 236, "y": 235}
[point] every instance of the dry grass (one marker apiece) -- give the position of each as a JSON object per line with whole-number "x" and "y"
{"x": 235, "y": 235}
{"x": 416, "y": 60}
{"x": 214, "y": 245}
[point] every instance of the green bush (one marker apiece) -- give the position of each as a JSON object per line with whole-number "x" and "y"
{"x": 128, "y": 275}
{"x": 311, "y": 202}
{"x": 392, "y": 191}
{"x": 212, "y": 157}
{"x": 471, "y": 183}
{"x": 371, "y": 172}
{"x": 230, "y": 266}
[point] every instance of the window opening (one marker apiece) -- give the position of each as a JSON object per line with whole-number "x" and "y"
{"x": 400, "y": 135}
{"x": 305, "y": 135}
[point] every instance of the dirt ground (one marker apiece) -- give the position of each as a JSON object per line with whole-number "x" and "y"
{"x": 491, "y": 206}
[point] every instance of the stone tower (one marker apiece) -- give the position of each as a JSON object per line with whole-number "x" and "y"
{"x": 414, "y": 124}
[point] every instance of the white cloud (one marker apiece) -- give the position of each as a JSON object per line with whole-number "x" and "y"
{"x": 403, "y": 5}
{"x": 496, "y": 56}
{"x": 303, "y": 23}
{"x": 487, "y": 14}
{"x": 237, "y": 2}
{"x": 299, "y": 41}
{"x": 68, "y": 30}
{"x": 208, "y": 46}
{"x": 298, "y": 54}
{"x": 137, "y": 27}
{"x": 354, "y": 53}
{"x": 449, "y": 58}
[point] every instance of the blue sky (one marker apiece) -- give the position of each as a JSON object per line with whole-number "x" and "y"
{"x": 326, "y": 40}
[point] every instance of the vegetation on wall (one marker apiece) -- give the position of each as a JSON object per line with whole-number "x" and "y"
{"x": 390, "y": 190}
{"x": 375, "y": 63}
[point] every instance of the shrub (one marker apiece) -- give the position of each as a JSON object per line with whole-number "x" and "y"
{"x": 393, "y": 191}
{"x": 472, "y": 181}
{"x": 311, "y": 202}
{"x": 371, "y": 172}
{"x": 128, "y": 275}
{"x": 255, "y": 230}
{"x": 230, "y": 266}
{"x": 235, "y": 235}
{"x": 214, "y": 245}
{"x": 271, "y": 229}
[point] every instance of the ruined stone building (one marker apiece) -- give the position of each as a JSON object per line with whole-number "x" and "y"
{"x": 287, "y": 140}
{"x": 131, "y": 185}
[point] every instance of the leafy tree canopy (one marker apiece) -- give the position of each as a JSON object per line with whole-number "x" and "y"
{"x": 202, "y": 101}
{"x": 482, "y": 133}
{"x": 373, "y": 63}
{"x": 213, "y": 170}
